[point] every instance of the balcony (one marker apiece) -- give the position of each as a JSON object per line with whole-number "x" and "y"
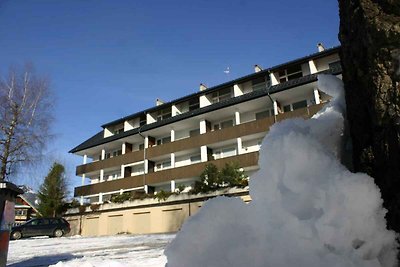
{"x": 248, "y": 128}
{"x": 193, "y": 170}
{"x": 180, "y": 145}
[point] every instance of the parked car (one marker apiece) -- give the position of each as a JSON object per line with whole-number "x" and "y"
{"x": 53, "y": 227}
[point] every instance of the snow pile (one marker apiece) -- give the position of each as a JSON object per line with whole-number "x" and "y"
{"x": 307, "y": 209}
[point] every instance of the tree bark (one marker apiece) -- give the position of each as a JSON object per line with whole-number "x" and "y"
{"x": 370, "y": 54}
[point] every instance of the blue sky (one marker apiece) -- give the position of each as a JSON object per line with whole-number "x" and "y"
{"x": 108, "y": 59}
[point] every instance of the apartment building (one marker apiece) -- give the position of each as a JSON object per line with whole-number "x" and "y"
{"x": 169, "y": 145}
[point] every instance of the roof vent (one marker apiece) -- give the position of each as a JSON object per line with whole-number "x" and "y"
{"x": 203, "y": 87}
{"x": 159, "y": 102}
{"x": 257, "y": 68}
{"x": 320, "y": 47}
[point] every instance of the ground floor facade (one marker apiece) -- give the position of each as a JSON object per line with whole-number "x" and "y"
{"x": 147, "y": 216}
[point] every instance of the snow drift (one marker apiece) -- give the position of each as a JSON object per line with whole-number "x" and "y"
{"x": 307, "y": 208}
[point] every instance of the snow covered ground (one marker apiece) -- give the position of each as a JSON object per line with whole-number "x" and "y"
{"x": 121, "y": 250}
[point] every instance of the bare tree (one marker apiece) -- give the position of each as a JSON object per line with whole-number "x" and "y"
{"x": 25, "y": 116}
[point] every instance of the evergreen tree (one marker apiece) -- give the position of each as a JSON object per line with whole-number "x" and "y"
{"x": 53, "y": 191}
{"x": 211, "y": 179}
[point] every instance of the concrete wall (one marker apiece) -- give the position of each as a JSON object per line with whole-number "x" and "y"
{"x": 158, "y": 217}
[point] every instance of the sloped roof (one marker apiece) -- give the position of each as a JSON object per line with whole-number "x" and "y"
{"x": 31, "y": 198}
{"x": 99, "y": 139}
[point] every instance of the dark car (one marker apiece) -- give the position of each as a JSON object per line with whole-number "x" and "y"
{"x": 56, "y": 227}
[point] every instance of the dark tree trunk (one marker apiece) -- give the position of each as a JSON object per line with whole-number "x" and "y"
{"x": 370, "y": 37}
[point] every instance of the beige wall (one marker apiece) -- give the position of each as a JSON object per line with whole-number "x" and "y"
{"x": 163, "y": 218}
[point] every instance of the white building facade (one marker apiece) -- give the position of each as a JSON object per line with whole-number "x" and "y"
{"x": 168, "y": 146}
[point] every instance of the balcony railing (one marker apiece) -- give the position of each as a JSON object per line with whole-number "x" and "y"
{"x": 248, "y": 128}
{"x": 193, "y": 170}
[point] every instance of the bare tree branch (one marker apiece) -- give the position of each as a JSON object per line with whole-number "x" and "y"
{"x": 25, "y": 115}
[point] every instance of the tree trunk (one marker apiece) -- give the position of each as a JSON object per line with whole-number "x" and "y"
{"x": 370, "y": 54}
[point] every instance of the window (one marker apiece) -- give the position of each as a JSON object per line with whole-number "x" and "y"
{"x": 111, "y": 176}
{"x": 300, "y": 104}
{"x": 223, "y": 124}
{"x": 195, "y": 159}
{"x": 287, "y": 108}
{"x": 290, "y": 73}
{"x": 221, "y": 95}
{"x": 117, "y": 152}
{"x": 164, "y": 114}
{"x": 194, "y": 104}
{"x": 224, "y": 152}
{"x": 163, "y": 165}
{"x": 107, "y": 156}
{"x": 163, "y": 140}
{"x": 118, "y": 131}
{"x": 294, "y": 106}
{"x": 264, "y": 114}
{"x": 259, "y": 83}
{"x": 20, "y": 212}
{"x": 194, "y": 132}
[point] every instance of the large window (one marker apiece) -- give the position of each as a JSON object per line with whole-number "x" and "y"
{"x": 118, "y": 131}
{"x": 111, "y": 176}
{"x": 164, "y": 114}
{"x": 290, "y": 73}
{"x": 117, "y": 152}
{"x": 195, "y": 159}
{"x": 264, "y": 114}
{"x": 259, "y": 83}
{"x": 221, "y": 95}
{"x": 223, "y": 124}
{"x": 224, "y": 152}
{"x": 163, "y": 165}
{"x": 194, "y": 104}
{"x": 194, "y": 132}
{"x": 295, "y": 105}
{"x": 300, "y": 104}
{"x": 163, "y": 140}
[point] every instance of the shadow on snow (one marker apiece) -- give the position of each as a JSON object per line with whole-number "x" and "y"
{"x": 44, "y": 260}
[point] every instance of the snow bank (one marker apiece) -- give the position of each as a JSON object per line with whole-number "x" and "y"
{"x": 307, "y": 209}
{"x": 102, "y": 251}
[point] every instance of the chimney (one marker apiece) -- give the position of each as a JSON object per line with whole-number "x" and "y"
{"x": 159, "y": 102}
{"x": 203, "y": 87}
{"x": 320, "y": 47}
{"x": 257, "y": 68}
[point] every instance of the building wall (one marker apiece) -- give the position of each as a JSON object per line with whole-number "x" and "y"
{"x": 162, "y": 217}
{"x": 178, "y": 150}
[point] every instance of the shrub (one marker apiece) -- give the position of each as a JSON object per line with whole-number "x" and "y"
{"x": 212, "y": 179}
{"x": 120, "y": 198}
{"x": 163, "y": 195}
{"x": 94, "y": 207}
{"x": 180, "y": 189}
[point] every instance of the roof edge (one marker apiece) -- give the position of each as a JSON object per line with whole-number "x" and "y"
{"x": 226, "y": 84}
